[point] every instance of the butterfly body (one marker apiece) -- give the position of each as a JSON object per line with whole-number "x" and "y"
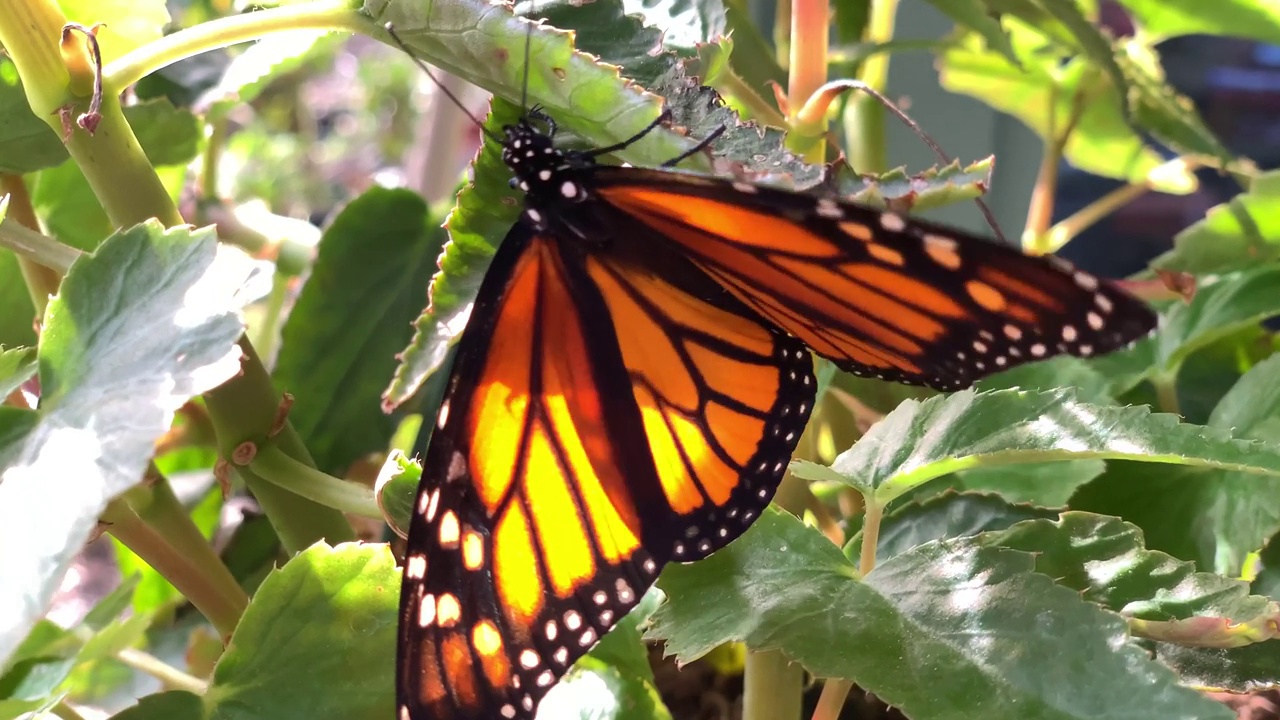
{"x": 635, "y": 376}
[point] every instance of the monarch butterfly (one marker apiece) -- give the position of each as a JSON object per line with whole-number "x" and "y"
{"x": 635, "y": 375}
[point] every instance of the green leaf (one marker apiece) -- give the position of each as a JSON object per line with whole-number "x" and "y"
{"x": 165, "y": 706}
{"x": 1243, "y": 669}
{"x": 127, "y": 24}
{"x": 1049, "y": 484}
{"x": 1105, "y": 559}
{"x": 485, "y": 44}
{"x": 110, "y": 607}
{"x": 1047, "y": 92}
{"x": 282, "y": 662}
{"x": 1158, "y": 108}
{"x": 1163, "y": 19}
{"x": 595, "y": 690}
{"x": 355, "y": 312}
{"x": 1213, "y": 517}
{"x": 623, "y": 647}
{"x": 397, "y": 490}
{"x": 1225, "y": 306}
{"x": 1236, "y": 235}
{"x": 1062, "y": 371}
{"x": 978, "y": 17}
{"x": 251, "y": 71}
{"x": 994, "y": 638}
{"x": 921, "y": 441}
{"x": 137, "y": 329}
{"x": 932, "y": 188}
{"x": 167, "y": 134}
{"x": 942, "y": 517}
{"x": 17, "y": 365}
{"x": 614, "y": 681}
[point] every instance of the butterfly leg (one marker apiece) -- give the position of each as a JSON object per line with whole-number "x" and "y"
{"x": 665, "y": 116}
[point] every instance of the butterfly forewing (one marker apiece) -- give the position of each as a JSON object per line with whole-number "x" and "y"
{"x": 601, "y": 420}
{"x": 879, "y": 294}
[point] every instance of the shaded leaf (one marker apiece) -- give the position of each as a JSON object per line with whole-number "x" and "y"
{"x": 995, "y": 638}
{"x": 1210, "y": 516}
{"x": 942, "y": 517}
{"x": 1227, "y": 305}
{"x": 1105, "y": 559}
{"x": 354, "y": 313}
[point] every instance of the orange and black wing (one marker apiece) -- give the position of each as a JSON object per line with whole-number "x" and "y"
{"x": 881, "y": 295}
{"x": 601, "y": 419}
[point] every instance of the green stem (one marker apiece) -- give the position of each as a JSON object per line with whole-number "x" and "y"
{"x": 65, "y": 712}
{"x": 864, "y": 118}
{"x": 1166, "y": 386}
{"x": 273, "y": 465}
{"x": 37, "y": 249}
{"x": 225, "y": 31}
{"x": 244, "y": 410}
{"x": 165, "y": 673}
{"x": 767, "y": 680}
{"x": 192, "y": 567}
{"x": 870, "y": 534}
{"x": 42, "y": 269}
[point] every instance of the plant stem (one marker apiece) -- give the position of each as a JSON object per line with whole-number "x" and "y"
{"x": 1063, "y": 232}
{"x": 768, "y": 678}
{"x": 273, "y": 465}
{"x": 244, "y": 410}
{"x": 870, "y": 535}
{"x": 193, "y": 568}
{"x": 831, "y": 699}
{"x": 42, "y": 278}
{"x": 1035, "y": 235}
{"x": 864, "y": 117}
{"x": 1166, "y": 386}
{"x": 214, "y": 34}
{"x": 165, "y": 673}
{"x": 39, "y": 249}
{"x": 807, "y": 71}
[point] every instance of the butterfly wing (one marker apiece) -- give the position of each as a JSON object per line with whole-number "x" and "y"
{"x": 881, "y": 295}
{"x": 601, "y": 419}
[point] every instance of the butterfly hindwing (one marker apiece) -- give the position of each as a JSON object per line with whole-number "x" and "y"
{"x": 879, "y": 294}
{"x": 601, "y": 419}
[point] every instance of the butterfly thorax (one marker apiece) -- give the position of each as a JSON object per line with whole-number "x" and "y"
{"x": 546, "y": 175}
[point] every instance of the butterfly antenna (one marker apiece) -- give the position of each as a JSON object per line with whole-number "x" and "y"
{"x": 441, "y": 86}
{"x": 528, "y": 42}
{"x": 937, "y": 150}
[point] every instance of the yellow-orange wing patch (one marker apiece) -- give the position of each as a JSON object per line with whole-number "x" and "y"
{"x": 599, "y": 421}
{"x": 879, "y": 294}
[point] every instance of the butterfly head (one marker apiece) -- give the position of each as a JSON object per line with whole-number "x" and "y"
{"x": 541, "y": 170}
